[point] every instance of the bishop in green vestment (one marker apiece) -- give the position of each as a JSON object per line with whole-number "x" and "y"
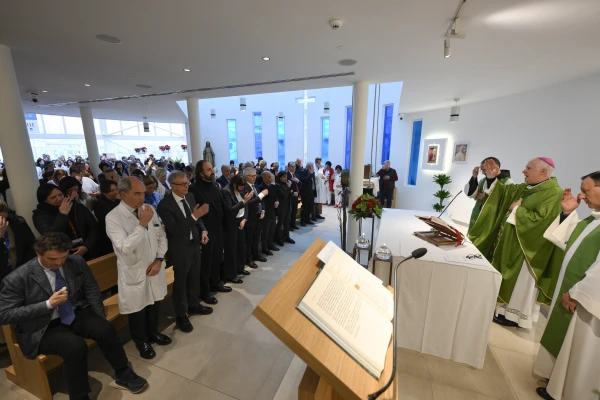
{"x": 509, "y": 232}
{"x": 480, "y": 191}
{"x": 570, "y": 347}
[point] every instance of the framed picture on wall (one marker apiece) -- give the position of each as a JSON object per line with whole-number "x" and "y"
{"x": 432, "y": 153}
{"x": 461, "y": 152}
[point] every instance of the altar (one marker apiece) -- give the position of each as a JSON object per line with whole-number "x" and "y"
{"x": 446, "y": 299}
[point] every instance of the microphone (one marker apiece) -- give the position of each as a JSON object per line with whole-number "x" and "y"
{"x": 418, "y": 253}
{"x": 445, "y": 208}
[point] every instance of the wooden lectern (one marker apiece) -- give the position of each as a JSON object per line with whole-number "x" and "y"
{"x": 330, "y": 373}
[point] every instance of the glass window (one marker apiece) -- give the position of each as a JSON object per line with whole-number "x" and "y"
{"x": 113, "y": 127}
{"x": 325, "y": 138}
{"x": 232, "y": 136}
{"x": 97, "y": 127}
{"x": 178, "y": 130}
{"x": 54, "y": 124}
{"x": 258, "y": 134}
{"x": 40, "y": 122}
{"x": 281, "y": 141}
{"x": 348, "y": 136}
{"x": 162, "y": 129}
{"x": 74, "y": 125}
{"x": 387, "y": 132}
{"x": 415, "y": 148}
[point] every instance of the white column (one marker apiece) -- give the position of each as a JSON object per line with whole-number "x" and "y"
{"x": 91, "y": 143}
{"x": 187, "y": 141}
{"x": 360, "y": 102}
{"x": 195, "y": 144}
{"x": 14, "y": 141}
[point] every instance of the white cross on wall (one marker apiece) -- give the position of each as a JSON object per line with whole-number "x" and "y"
{"x": 305, "y": 100}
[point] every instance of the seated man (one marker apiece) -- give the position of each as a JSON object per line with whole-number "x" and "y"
{"x": 55, "y": 303}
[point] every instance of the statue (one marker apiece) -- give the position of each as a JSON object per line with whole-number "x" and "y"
{"x": 209, "y": 154}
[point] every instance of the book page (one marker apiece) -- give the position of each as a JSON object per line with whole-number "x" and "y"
{"x": 356, "y": 327}
{"x": 359, "y": 278}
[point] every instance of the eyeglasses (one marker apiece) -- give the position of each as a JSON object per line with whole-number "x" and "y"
{"x": 181, "y": 184}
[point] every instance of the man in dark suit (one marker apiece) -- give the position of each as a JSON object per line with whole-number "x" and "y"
{"x": 223, "y": 180}
{"x": 185, "y": 234}
{"x": 270, "y": 203}
{"x": 104, "y": 204}
{"x": 293, "y": 177}
{"x": 308, "y": 191}
{"x": 256, "y": 214}
{"x": 55, "y": 304}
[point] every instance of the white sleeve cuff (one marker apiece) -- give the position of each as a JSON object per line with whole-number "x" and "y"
{"x": 261, "y": 196}
{"x": 194, "y": 217}
{"x": 48, "y": 305}
{"x": 512, "y": 218}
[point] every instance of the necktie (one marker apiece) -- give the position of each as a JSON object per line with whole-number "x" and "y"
{"x": 166, "y": 186}
{"x": 7, "y": 241}
{"x": 188, "y": 214}
{"x": 65, "y": 310}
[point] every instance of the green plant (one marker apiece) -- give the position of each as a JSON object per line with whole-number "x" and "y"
{"x": 365, "y": 206}
{"x": 442, "y": 194}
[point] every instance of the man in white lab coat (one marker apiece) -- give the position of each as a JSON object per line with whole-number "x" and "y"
{"x": 140, "y": 243}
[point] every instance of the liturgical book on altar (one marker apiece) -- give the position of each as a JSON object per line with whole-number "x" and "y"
{"x": 351, "y": 306}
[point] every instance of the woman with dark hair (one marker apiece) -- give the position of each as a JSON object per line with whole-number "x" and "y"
{"x": 138, "y": 173}
{"x": 284, "y": 191}
{"x": 72, "y": 188}
{"x": 16, "y": 240}
{"x": 151, "y": 196}
{"x": 120, "y": 169}
{"x": 39, "y": 164}
{"x": 57, "y": 213}
{"x": 69, "y": 164}
{"x": 236, "y": 214}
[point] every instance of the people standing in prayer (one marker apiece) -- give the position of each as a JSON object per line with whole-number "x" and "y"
{"x": 121, "y": 169}
{"x": 262, "y": 167}
{"x": 275, "y": 168}
{"x": 39, "y": 166}
{"x": 256, "y": 214}
{"x": 271, "y": 204}
{"x": 322, "y": 188}
{"x": 223, "y": 180}
{"x": 480, "y": 191}
{"x": 329, "y": 179}
{"x": 284, "y": 192}
{"x": 151, "y": 196}
{"x": 104, "y": 166}
{"x": 292, "y": 176}
{"x": 16, "y": 240}
{"x": 57, "y": 176}
{"x": 387, "y": 183}
{"x": 88, "y": 186}
{"x": 111, "y": 175}
{"x": 163, "y": 184}
{"x": 206, "y": 191}
{"x": 570, "y": 348}
{"x": 185, "y": 234}
{"x": 308, "y": 192}
{"x": 516, "y": 217}
{"x": 140, "y": 244}
{"x": 106, "y": 202}
{"x": 55, "y": 303}
{"x": 337, "y": 185}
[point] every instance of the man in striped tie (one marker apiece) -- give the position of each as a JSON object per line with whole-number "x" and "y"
{"x": 55, "y": 303}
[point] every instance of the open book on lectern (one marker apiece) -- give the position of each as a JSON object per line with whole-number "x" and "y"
{"x": 351, "y": 306}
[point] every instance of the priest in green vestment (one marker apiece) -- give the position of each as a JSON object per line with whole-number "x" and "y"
{"x": 570, "y": 347}
{"x": 510, "y": 233}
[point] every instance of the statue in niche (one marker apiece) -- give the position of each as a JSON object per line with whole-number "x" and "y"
{"x": 209, "y": 154}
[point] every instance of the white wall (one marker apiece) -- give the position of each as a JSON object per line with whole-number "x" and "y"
{"x": 560, "y": 122}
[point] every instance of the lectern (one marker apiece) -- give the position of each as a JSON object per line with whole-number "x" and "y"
{"x": 330, "y": 373}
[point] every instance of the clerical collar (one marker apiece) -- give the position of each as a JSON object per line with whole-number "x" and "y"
{"x": 596, "y": 214}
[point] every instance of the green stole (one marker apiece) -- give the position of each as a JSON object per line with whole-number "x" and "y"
{"x": 506, "y": 246}
{"x": 583, "y": 258}
{"x": 480, "y": 202}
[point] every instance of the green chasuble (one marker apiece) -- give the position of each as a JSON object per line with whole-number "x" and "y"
{"x": 480, "y": 202}
{"x": 507, "y": 246}
{"x": 583, "y": 258}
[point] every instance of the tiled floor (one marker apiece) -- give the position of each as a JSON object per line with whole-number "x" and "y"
{"x": 230, "y": 355}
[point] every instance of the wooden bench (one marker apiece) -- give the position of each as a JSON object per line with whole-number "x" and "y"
{"x": 32, "y": 375}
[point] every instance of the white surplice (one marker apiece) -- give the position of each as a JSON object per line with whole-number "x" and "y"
{"x": 322, "y": 187}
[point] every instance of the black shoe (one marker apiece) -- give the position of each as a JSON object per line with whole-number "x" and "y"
{"x": 313, "y": 219}
{"x": 279, "y": 243}
{"x": 131, "y": 381}
{"x": 294, "y": 228}
{"x": 244, "y": 272}
{"x": 212, "y": 300}
{"x": 267, "y": 252}
{"x": 184, "y": 324}
{"x": 235, "y": 280}
{"x": 200, "y": 309}
{"x": 543, "y": 393}
{"x": 273, "y": 248}
{"x": 320, "y": 217}
{"x": 260, "y": 258}
{"x": 159, "y": 339}
{"x": 310, "y": 222}
{"x": 501, "y": 320}
{"x": 220, "y": 288}
{"x": 292, "y": 241}
{"x": 146, "y": 350}
{"x": 252, "y": 264}
{"x": 302, "y": 224}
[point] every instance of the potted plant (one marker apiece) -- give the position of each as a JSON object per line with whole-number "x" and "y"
{"x": 184, "y": 147}
{"x": 167, "y": 147}
{"x": 442, "y": 194}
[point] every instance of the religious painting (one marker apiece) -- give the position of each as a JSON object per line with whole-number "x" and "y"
{"x": 461, "y": 151}
{"x": 432, "y": 153}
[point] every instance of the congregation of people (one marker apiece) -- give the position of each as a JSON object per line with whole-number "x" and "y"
{"x": 151, "y": 214}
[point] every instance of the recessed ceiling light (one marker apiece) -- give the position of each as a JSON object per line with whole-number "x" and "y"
{"x": 347, "y": 62}
{"x": 44, "y": 91}
{"x": 108, "y": 39}
{"x": 266, "y": 58}
{"x": 187, "y": 70}
{"x": 87, "y": 84}
{"x": 128, "y": 79}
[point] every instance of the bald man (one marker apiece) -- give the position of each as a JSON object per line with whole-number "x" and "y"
{"x": 513, "y": 221}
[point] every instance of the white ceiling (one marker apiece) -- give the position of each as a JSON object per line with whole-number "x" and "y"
{"x": 511, "y": 46}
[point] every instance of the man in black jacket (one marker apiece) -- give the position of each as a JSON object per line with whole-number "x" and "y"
{"x": 185, "y": 234}
{"x": 271, "y": 203}
{"x": 256, "y": 214}
{"x": 292, "y": 176}
{"x": 105, "y": 203}
{"x": 308, "y": 191}
{"x": 16, "y": 240}
{"x": 55, "y": 303}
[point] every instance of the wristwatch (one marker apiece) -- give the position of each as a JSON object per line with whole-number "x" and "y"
{"x": 161, "y": 259}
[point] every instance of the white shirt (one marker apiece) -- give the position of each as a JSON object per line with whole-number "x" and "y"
{"x": 240, "y": 213}
{"x": 182, "y": 208}
{"x": 51, "y": 275}
{"x": 88, "y": 185}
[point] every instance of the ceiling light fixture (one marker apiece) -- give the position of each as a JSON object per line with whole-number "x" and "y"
{"x": 266, "y": 58}
{"x": 213, "y": 114}
{"x": 146, "y": 125}
{"x": 447, "y": 48}
{"x": 87, "y": 85}
{"x": 187, "y": 70}
{"x": 326, "y": 108}
{"x": 44, "y": 91}
{"x": 243, "y": 104}
{"x": 455, "y": 111}
{"x": 347, "y": 62}
{"x": 108, "y": 39}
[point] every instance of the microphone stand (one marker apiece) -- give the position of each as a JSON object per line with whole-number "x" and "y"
{"x": 378, "y": 393}
{"x": 445, "y": 208}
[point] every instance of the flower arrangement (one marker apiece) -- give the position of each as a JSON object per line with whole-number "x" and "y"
{"x": 140, "y": 149}
{"x": 365, "y": 206}
{"x": 166, "y": 147}
{"x": 184, "y": 147}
